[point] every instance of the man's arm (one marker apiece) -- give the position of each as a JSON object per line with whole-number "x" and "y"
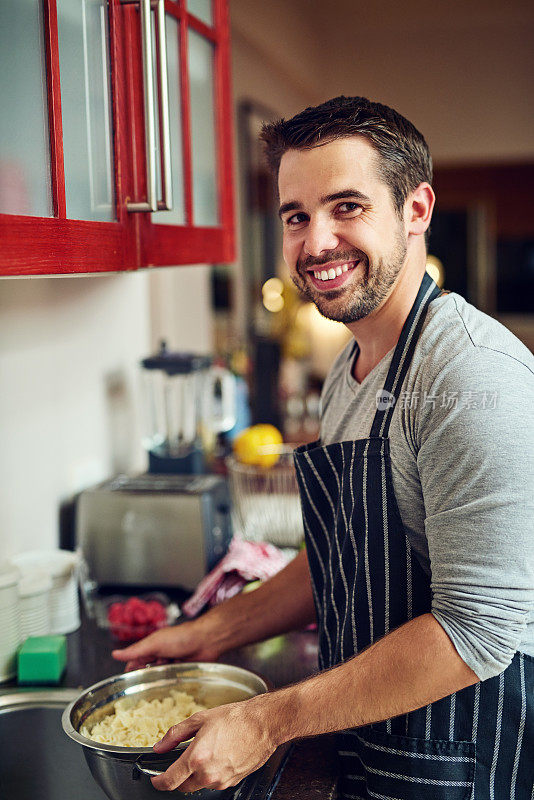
{"x": 281, "y": 604}
{"x": 412, "y": 666}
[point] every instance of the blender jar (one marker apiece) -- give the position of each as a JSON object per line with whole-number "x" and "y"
{"x": 188, "y": 401}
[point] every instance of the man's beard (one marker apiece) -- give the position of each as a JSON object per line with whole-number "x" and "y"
{"x": 358, "y": 301}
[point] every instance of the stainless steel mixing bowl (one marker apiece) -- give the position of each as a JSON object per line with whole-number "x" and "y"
{"x": 123, "y": 773}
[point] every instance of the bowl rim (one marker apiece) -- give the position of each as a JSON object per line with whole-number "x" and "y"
{"x": 134, "y": 752}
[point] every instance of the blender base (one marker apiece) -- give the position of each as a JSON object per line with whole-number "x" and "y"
{"x": 159, "y": 463}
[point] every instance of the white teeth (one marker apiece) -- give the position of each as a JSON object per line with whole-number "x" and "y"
{"x": 330, "y": 274}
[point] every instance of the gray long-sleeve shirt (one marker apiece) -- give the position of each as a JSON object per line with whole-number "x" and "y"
{"x": 462, "y": 451}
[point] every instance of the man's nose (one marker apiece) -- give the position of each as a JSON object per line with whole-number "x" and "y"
{"x": 319, "y": 237}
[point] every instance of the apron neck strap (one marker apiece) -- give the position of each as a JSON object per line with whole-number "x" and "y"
{"x": 402, "y": 356}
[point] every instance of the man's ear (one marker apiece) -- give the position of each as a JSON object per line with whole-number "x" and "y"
{"x": 418, "y": 209}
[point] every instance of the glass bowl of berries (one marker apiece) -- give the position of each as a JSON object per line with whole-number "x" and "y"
{"x": 131, "y": 618}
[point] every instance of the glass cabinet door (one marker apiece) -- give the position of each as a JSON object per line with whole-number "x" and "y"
{"x": 203, "y": 119}
{"x": 25, "y": 183}
{"x": 203, "y": 144}
{"x": 200, "y": 226}
{"x": 83, "y": 35}
{"x": 201, "y": 74}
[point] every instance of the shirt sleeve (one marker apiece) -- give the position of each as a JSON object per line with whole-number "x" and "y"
{"x": 476, "y": 466}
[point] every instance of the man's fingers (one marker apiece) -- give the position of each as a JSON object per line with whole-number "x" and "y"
{"x": 135, "y": 664}
{"x": 136, "y": 651}
{"x": 140, "y": 663}
{"x": 195, "y": 782}
{"x": 138, "y": 654}
{"x": 173, "y": 777}
{"x": 193, "y": 770}
{"x": 179, "y": 733}
{"x": 128, "y": 654}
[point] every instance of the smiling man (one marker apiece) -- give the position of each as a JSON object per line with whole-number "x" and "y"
{"x": 417, "y": 502}
{"x": 346, "y": 247}
{"x": 319, "y": 231}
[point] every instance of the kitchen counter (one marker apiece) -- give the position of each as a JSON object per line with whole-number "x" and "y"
{"x": 310, "y": 772}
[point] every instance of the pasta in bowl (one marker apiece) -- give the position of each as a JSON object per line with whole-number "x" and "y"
{"x": 143, "y": 723}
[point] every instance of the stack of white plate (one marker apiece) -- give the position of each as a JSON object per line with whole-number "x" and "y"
{"x": 34, "y": 603}
{"x": 10, "y": 635}
{"x": 62, "y": 567}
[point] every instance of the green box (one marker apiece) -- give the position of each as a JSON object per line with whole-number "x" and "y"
{"x": 42, "y": 659}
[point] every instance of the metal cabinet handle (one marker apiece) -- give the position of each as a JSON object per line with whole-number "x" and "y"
{"x": 166, "y": 203}
{"x": 153, "y": 204}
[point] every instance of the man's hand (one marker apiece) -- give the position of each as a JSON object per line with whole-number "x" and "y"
{"x": 230, "y": 742}
{"x": 185, "y": 642}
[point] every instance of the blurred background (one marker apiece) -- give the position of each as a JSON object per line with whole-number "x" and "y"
{"x": 70, "y": 347}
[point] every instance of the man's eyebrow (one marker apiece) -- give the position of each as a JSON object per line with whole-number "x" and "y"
{"x": 345, "y": 194}
{"x": 291, "y": 206}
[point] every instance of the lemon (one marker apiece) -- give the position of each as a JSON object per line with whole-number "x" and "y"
{"x": 248, "y": 446}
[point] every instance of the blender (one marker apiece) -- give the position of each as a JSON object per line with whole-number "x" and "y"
{"x": 188, "y": 401}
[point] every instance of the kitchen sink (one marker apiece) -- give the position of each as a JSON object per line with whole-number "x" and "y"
{"x": 39, "y": 762}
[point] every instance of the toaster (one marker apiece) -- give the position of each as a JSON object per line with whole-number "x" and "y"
{"x": 154, "y": 530}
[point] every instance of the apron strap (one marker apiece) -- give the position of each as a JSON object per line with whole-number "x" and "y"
{"x": 402, "y": 356}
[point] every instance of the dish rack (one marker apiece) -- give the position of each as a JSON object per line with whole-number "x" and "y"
{"x": 266, "y": 502}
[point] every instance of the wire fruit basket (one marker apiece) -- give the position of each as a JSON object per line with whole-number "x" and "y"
{"x": 266, "y": 500}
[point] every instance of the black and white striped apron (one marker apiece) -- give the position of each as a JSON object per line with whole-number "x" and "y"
{"x": 476, "y": 744}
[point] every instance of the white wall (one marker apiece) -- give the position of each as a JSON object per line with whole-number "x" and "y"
{"x": 274, "y": 48}
{"x": 180, "y": 308}
{"x": 68, "y": 354}
{"x": 69, "y": 378}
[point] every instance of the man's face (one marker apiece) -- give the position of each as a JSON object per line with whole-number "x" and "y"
{"x": 344, "y": 243}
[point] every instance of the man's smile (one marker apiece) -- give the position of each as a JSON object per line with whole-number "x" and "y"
{"x": 331, "y": 275}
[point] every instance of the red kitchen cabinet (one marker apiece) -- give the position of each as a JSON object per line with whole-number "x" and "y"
{"x": 123, "y": 108}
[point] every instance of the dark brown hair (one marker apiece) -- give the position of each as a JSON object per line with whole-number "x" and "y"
{"x": 404, "y": 158}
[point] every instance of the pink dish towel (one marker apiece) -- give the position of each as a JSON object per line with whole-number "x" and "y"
{"x": 244, "y": 562}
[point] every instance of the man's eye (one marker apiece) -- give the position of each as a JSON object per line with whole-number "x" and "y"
{"x": 348, "y": 208}
{"x": 294, "y": 220}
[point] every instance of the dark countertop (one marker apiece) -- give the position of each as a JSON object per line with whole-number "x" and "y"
{"x": 310, "y": 772}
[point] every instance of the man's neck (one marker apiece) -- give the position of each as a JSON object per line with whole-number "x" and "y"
{"x": 379, "y": 332}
